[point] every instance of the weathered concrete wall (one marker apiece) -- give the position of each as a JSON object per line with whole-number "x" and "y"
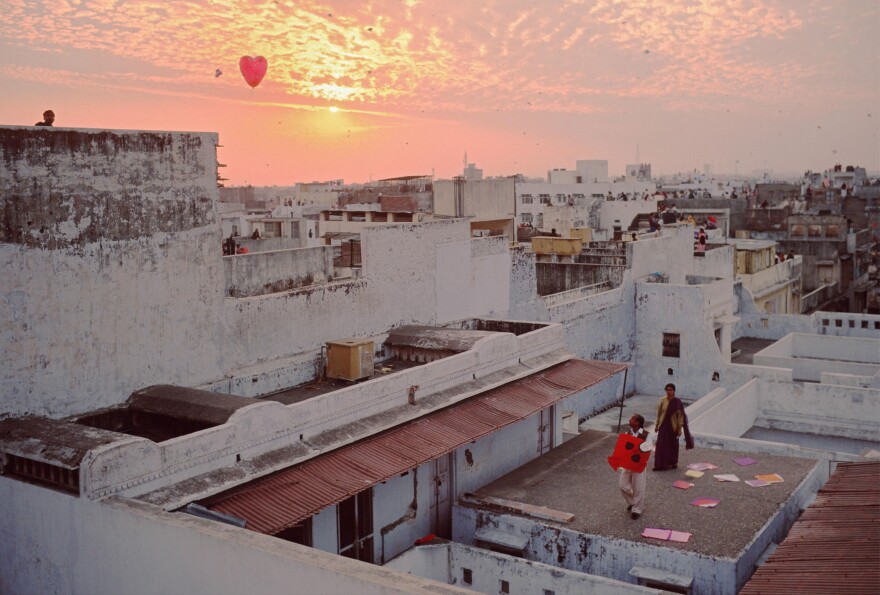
{"x": 732, "y": 415}
{"x": 601, "y": 326}
{"x": 718, "y": 262}
{"x": 822, "y": 409}
{"x": 524, "y": 301}
{"x": 671, "y": 254}
{"x": 280, "y": 270}
{"x": 810, "y": 355}
{"x": 826, "y": 410}
{"x": 70, "y": 188}
{"x": 53, "y": 543}
{"x": 446, "y": 563}
{"x": 679, "y": 309}
{"x": 598, "y": 555}
{"x": 495, "y": 455}
{"x": 556, "y": 277}
{"x": 844, "y": 324}
{"x": 472, "y": 278}
{"x": 482, "y": 199}
{"x": 111, "y": 264}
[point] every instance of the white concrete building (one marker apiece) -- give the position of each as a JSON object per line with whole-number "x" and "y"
{"x": 593, "y": 170}
{"x": 100, "y": 309}
{"x": 533, "y": 198}
{"x": 490, "y": 204}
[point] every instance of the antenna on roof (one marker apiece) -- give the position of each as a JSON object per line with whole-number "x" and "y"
{"x": 465, "y": 159}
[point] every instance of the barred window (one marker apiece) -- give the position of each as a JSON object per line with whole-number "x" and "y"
{"x": 671, "y": 345}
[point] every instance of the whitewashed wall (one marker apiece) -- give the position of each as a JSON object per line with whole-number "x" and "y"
{"x": 483, "y": 199}
{"x": 272, "y": 271}
{"x": 717, "y": 262}
{"x": 402, "y": 512}
{"x": 733, "y": 415}
{"x": 596, "y": 554}
{"x": 822, "y": 409}
{"x": 665, "y": 308}
{"x": 495, "y": 455}
{"x": 116, "y": 283}
{"x": 811, "y": 355}
{"x": 447, "y": 562}
{"x": 826, "y": 410}
{"x": 54, "y": 543}
{"x": 672, "y": 253}
{"x": 600, "y": 326}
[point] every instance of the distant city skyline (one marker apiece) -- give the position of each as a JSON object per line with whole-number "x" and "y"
{"x": 383, "y": 88}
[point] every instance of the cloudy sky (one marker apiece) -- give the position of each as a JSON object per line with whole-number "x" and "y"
{"x": 361, "y": 89}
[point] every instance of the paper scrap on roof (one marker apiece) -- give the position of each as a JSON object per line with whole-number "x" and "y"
{"x": 656, "y": 533}
{"x": 627, "y": 454}
{"x": 692, "y": 473}
{"x": 702, "y": 466}
{"x": 682, "y": 485}
{"x": 705, "y": 502}
{"x": 745, "y": 461}
{"x": 757, "y": 483}
{"x": 666, "y": 535}
{"x": 726, "y": 477}
{"x": 770, "y": 478}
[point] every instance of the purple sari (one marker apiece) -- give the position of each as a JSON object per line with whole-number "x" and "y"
{"x": 666, "y": 452}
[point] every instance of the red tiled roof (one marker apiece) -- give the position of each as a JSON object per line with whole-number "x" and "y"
{"x": 282, "y": 500}
{"x": 834, "y": 547}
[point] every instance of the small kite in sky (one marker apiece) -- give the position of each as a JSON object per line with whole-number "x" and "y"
{"x": 217, "y": 73}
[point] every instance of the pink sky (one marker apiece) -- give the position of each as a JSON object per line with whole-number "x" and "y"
{"x": 521, "y": 85}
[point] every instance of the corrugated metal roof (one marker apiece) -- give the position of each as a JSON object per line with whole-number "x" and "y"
{"x": 281, "y": 500}
{"x": 834, "y": 547}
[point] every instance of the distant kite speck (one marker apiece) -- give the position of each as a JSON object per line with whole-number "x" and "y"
{"x": 217, "y": 73}
{"x": 647, "y": 51}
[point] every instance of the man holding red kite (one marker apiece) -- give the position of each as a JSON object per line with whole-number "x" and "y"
{"x": 631, "y": 456}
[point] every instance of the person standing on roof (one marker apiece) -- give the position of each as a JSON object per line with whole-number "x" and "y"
{"x": 671, "y": 420}
{"x": 632, "y": 483}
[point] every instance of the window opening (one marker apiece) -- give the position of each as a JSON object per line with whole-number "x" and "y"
{"x": 300, "y": 533}
{"x": 355, "y": 526}
{"x": 671, "y": 345}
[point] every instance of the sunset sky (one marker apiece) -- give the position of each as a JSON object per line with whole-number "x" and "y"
{"x": 521, "y": 85}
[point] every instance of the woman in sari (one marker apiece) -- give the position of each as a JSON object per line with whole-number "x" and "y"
{"x": 671, "y": 420}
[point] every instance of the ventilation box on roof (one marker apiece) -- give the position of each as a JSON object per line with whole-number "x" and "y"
{"x": 350, "y": 359}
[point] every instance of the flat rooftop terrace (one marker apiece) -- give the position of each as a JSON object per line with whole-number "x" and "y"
{"x": 314, "y": 388}
{"x": 576, "y": 478}
{"x": 745, "y": 348}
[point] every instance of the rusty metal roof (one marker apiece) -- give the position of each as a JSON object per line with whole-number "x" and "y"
{"x": 282, "y": 500}
{"x": 834, "y": 547}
